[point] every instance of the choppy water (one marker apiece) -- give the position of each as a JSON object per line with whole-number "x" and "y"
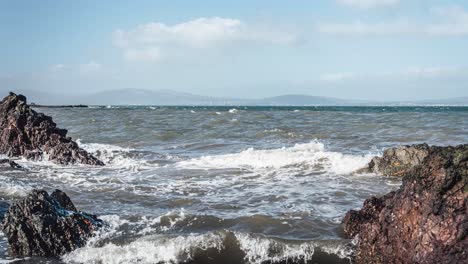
{"x": 223, "y": 185}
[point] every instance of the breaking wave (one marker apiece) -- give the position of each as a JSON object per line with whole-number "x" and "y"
{"x": 117, "y": 157}
{"x": 310, "y": 156}
{"x": 212, "y": 247}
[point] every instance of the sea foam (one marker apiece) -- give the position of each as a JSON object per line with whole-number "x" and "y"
{"x": 310, "y": 156}
{"x": 117, "y": 157}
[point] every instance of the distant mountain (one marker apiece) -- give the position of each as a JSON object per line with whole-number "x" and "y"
{"x": 143, "y": 97}
{"x": 449, "y": 101}
{"x": 169, "y": 97}
{"x": 301, "y": 100}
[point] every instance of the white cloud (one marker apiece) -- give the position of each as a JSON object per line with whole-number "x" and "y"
{"x": 454, "y": 22}
{"x": 148, "y": 41}
{"x": 367, "y": 4}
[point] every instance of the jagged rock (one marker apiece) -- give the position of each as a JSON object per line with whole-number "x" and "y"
{"x": 47, "y": 225}
{"x": 424, "y": 221}
{"x": 6, "y": 163}
{"x": 24, "y": 132}
{"x": 397, "y": 161}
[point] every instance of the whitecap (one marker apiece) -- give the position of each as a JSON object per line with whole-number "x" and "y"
{"x": 309, "y": 156}
{"x": 147, "y": 249}
{"x": 257, "y": 249}
{"x": 115, "y": 156}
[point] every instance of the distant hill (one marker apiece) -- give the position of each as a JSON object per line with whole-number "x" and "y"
{"x": 169, "y": 97}
{"x": 301, "y": 100}
{"x": 449, "y": 101}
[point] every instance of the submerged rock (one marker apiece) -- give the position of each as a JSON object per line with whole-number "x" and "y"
{"x": 398, "y": 161}
{"x": 47, "y": 225}
{"x": 424, "y": 221}
{"x": 25, "y": 132}
{"x": 6, "y": 163}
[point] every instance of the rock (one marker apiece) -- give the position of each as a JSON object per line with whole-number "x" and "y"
{"x": 47, "y": 225}
{"x": 6, "y": 163}
{"x": 24, "y": 132}
{"x": 424, "y": 221}
{"x": 397, "y": 161}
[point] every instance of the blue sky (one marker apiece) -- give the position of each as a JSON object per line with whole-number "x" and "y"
{"x": 354, "y": 49}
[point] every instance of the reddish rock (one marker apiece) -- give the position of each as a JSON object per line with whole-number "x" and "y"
{"x": 24, "y": 132}
{"x": 424, "y": 221}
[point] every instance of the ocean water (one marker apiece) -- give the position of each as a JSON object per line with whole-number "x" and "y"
{"x": 224, "y": 184}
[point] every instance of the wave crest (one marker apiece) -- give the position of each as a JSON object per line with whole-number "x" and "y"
{"x": 310, "y": 156}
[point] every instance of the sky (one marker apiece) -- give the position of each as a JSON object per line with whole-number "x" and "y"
{"x": 350, "y": 49}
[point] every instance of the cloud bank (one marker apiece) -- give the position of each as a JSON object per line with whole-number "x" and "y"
{"x": 150, "y": 41}
{"x": 453, "y": 22}
{"x": 367, "y": 4}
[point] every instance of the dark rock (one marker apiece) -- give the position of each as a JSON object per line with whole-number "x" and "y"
{"x": 24, "y": 132}
{"x": 9, "y": 164}
{"x": 398, "y": 161}
{"x": 424, "y": 221}
{"x": 47, "y": 225}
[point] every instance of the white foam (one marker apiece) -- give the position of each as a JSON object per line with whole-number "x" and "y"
{"x": 8, "y": 188}
{"x": 148, "y": 249}
{"x": 258, "y": 249}
{"x": 233, "y": 111}
{"x": 309, "y": 156}
{"x": 114, "y": 155}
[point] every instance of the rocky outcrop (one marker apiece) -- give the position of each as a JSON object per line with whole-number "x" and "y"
{"x": 398, "y": 161}
{"x": 424, "y": 221}
{"x": 9, "y": 164}
{"x": 47, "y": 225}
{"x": 24, "y": 132}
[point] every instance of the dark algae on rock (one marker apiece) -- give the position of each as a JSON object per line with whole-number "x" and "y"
{"x": 27, "y": 133}
{"x": 47, "y": 225}
{"x": 424, "y": 221}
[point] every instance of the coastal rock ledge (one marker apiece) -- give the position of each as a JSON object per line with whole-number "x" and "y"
{"x": 398, "y": 161}
{"x": 47, "y": 225}
{"x": 424, "y": 221}
{"x": 26, "y": 133}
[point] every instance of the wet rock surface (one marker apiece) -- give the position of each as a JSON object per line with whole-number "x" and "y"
{"x": 398, "y": 161}
{"x": 424, "y": 221}
{"x": 47, "y": 225}
{"x": 9, "y": 164}
{"x": 25, "y": 132}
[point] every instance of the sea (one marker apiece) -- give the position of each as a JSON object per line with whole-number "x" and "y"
{"x": 226, "y": 184}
